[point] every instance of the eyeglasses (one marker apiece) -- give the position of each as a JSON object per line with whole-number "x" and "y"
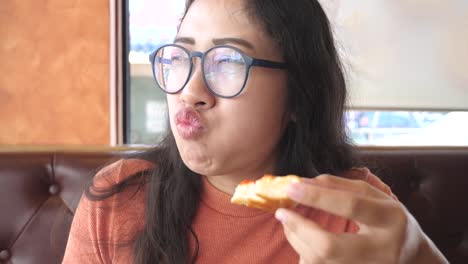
{"x": 225, "y": 69}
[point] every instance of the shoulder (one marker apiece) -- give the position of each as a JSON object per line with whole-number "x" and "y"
{"x": 120, "y": 171}
{"x": 105, "y": 198}
{"x": 103, "y": 228}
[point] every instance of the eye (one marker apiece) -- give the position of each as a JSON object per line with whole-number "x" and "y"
{"x": 232, "y": 60}
{"x": 224, "y": 60}
{"x": 228, "y": 57}
{"x": 178, "y": 58}
{"x": 175, "y": 57}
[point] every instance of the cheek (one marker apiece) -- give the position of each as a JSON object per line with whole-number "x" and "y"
{"x": 258, "y": 115}
{"x": 171, "y": 106}
{"x": 267, "y": 97}
{"x": 258, "y": 123}
{"x": 171, "y": 102}
{"x": 243, "y": 132}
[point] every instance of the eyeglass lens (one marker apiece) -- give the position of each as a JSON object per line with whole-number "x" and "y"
{"x": 224, "y": 69}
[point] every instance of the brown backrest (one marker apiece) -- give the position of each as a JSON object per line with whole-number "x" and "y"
{"x": 39, "y": 192}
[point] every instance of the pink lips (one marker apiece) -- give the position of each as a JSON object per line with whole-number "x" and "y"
{"x": 189, "y": 123}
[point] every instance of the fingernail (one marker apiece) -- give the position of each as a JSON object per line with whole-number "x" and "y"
{"x": 281, "y": 215}
{"x": 295, "y": 191}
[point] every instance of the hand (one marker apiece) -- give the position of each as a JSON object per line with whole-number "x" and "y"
{"x": 388, "y": 233}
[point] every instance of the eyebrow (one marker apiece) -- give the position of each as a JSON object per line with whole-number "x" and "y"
{"x": 217, "y": 41}
{"x": 238, "y": 41}
{"x": 185, "y": 40}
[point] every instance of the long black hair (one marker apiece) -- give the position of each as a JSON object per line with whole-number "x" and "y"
{"x": 314, "y": 142}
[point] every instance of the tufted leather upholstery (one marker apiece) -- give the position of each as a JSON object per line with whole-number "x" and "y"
{"x": 39, "y": 191}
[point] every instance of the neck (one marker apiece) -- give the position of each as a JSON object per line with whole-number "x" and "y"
{"x": 228, "y": 183}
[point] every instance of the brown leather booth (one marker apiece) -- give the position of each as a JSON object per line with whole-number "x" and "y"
{"x": 40, "y": 189}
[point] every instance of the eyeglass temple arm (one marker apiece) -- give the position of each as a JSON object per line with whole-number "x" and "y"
{"x": 269, "y": 64}
{"x": 158, "y": 59}
{"x": 255, "y": 62}
{"x": 151, "y": 56}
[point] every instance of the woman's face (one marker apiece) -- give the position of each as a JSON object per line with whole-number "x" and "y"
{"x": 218, "y": 136}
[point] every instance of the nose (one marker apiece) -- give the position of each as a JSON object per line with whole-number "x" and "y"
{"x": 195, "y": 92}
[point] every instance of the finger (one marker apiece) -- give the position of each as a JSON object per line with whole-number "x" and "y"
{"x": 356, "y": 186}
{"x": 362, "y": 209}
{"x": 308, "y": 239}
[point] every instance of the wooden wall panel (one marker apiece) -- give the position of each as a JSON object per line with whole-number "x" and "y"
{"x": 54, "y": 72}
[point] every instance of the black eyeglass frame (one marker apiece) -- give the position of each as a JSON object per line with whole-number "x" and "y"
{"x": 250, "y": 62}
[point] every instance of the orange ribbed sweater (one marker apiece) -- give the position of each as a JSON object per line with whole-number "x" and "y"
{"x": 103, "y": 231}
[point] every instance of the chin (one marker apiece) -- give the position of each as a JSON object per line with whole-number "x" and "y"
{"x": 198, "y": 164}
{"x": 202, "y": 170}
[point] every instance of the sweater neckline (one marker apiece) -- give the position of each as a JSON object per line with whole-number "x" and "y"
{"x": 221, "y": 202}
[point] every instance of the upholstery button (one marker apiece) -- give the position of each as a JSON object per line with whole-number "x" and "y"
{"x": 54, "y": 189}
{"x": 414, "y": 185}
{"x": 5, "y": 255}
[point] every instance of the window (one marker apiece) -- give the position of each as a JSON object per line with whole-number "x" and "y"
{"x": 153, "y": 22}
{"x": 399, "y": 128}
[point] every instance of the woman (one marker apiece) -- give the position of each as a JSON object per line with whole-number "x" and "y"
{"x": 253, "y": 87}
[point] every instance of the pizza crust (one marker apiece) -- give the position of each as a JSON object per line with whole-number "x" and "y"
{"x": 268, "y": 193}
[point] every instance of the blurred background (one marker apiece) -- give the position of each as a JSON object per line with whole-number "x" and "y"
{"x": 77, "y": 72}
